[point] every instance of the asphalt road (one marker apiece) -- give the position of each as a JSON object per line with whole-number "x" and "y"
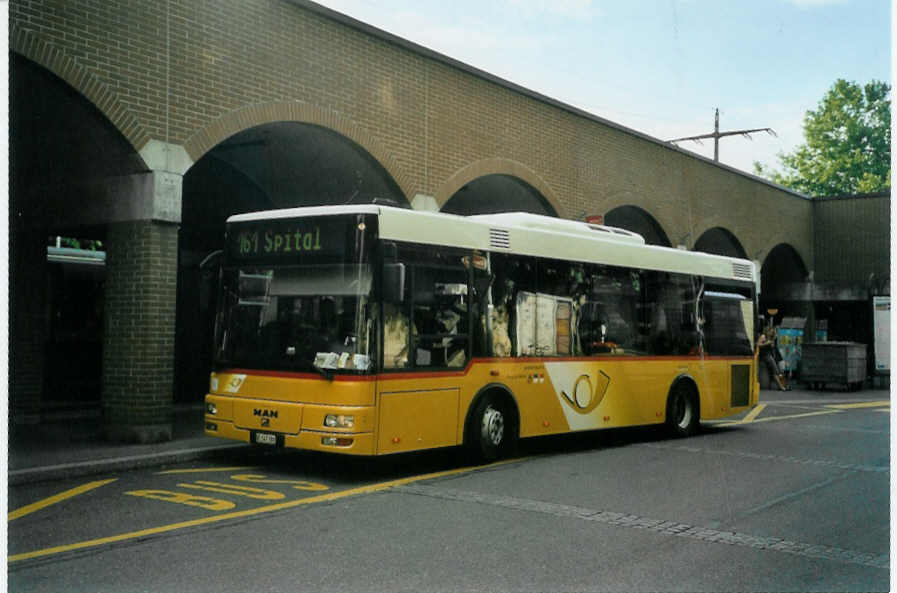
{"x": 793, "y": 497}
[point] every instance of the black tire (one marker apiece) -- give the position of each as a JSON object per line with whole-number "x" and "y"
{"x": 491, "y": 430}
{"x": 683, "y": 413}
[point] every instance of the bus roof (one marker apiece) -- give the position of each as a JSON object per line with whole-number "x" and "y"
{"x": 530, "y": 234}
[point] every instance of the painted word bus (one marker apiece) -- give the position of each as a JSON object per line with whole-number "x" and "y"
{"x": 371, "y": 330}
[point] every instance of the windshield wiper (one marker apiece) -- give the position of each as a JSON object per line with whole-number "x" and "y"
{"x": 326, "y": 373}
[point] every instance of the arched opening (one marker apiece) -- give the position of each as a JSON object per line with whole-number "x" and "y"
{"x": 720, "y": 241}
{"x": 275, "y": 165}
{"x": 62, "y": 149}
{"x": 498, "y": 193}
{"x": 637, "y": 220}
{"x": 60, "y": 141}
{"x": 785, "y": 302}
{"x": 781, "y": 284}
{"x": 783, "y": 265}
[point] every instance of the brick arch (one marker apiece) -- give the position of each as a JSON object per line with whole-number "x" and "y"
{"x": 250, "y": 116}
{"x": 783, "y": 239}
{"x": 789, "y": 254}
{"x": 645, "y": 222}
{"x": 497, "y": 166}
{"x": 673, "y": 227}
{"x": 29, "y": 46}
{"x": 728, "y": 234}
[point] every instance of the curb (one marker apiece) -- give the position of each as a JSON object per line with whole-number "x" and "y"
{"x": 115, "y": 464}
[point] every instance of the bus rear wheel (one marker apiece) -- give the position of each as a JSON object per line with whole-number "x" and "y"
{"x": 491, "y": 433}
{"x": 683, "y": 415}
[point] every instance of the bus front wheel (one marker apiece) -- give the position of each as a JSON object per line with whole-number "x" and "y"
{"x": 683, "y": 415}
{"x": 491, "y": 433}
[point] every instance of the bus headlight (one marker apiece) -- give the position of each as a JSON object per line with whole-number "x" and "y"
{"x": 339, "y": 421}
{"x": 211, "y": 408}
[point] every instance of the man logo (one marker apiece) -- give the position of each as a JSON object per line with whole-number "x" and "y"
{"x": 263, "y": 413}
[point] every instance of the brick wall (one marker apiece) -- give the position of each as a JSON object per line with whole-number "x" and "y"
{"x": 855, "y": 230}
{"x": 427, "y": 115}
{"x": 138, "y": 349}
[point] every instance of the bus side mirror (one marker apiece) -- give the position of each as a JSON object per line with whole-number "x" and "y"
{"x": 393, "y": 283}
{"x": 209, "y": 271}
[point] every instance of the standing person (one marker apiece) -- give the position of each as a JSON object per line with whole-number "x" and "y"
{"x": 767, "y": 345}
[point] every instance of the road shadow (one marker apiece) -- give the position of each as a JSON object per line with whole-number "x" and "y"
{"x": 356, "y": 471}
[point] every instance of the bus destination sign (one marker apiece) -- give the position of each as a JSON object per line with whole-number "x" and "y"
{"x": 255, "y": 242}
{"x": 317, "y": 239}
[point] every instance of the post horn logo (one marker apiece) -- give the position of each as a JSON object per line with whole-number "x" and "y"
{"x": 585, "y": 399}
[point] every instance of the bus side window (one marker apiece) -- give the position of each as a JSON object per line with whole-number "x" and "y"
{"x": 501, "y": 337}
{"x": 607, "y": 319}
{"x": 507, "y": 274}
{"x": 395, "y": 337}
{"x": 439, "y": 300}
{"x": 669, "y": 311}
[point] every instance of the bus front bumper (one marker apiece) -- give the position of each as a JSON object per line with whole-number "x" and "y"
{"x": 295, "y": 426}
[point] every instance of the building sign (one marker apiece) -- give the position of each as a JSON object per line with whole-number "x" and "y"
{"x": 595, "y": 219}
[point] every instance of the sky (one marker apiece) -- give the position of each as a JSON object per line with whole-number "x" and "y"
{"x": 661, "y": 67}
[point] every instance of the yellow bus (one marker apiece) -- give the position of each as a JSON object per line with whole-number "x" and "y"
{"x": 370, "y": 330}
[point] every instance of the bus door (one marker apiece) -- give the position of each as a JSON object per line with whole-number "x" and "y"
{"x": 728, "y": 340}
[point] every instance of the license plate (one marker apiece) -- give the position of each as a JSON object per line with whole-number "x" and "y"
{"x": 264, "y": 438}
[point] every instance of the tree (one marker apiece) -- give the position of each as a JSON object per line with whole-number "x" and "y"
{"x": 847, "y": 147}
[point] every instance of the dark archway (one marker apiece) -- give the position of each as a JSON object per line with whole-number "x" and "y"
{"x": 498, "y": 193}
{"x": 720, "y": 241}
{"x": 782, "y": 265}
{"x": 637, "y": 220}
{"x": 59, "y": 142}
{"x": 276, "y": 165}
{"x": 60, "y": 146}
{"x": 781, "y": 283}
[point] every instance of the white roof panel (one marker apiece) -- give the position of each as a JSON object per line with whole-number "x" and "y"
{"x": 530, "y": 234}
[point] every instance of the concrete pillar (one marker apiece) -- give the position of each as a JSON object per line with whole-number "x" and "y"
{"x": 140, "y": 302}
{"x": 27, "y": 323}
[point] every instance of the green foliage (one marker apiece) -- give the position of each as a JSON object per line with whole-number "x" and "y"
{"x": 847, "y": 147}
{"x": 88, "y": 244}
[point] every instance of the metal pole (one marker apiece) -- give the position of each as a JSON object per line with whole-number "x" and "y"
{"x": 716, "y": 135}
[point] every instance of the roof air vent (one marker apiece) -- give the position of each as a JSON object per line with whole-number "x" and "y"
{"x": 499, "y": 239}
{"x": 743, "y": 271}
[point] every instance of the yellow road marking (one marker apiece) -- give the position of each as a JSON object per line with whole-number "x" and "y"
{"x": 790, "y": 416}
{"x": 41, "y": 504}
{"x": 753, "y": 414}
{"x": 860, "y": 405}
{"x": 202, "y": 470}
{"x": 248, "y": 513}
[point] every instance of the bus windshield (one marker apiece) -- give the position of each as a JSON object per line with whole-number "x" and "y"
{"x": 297, "y": 318}
{"x": 295, "y": 295}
